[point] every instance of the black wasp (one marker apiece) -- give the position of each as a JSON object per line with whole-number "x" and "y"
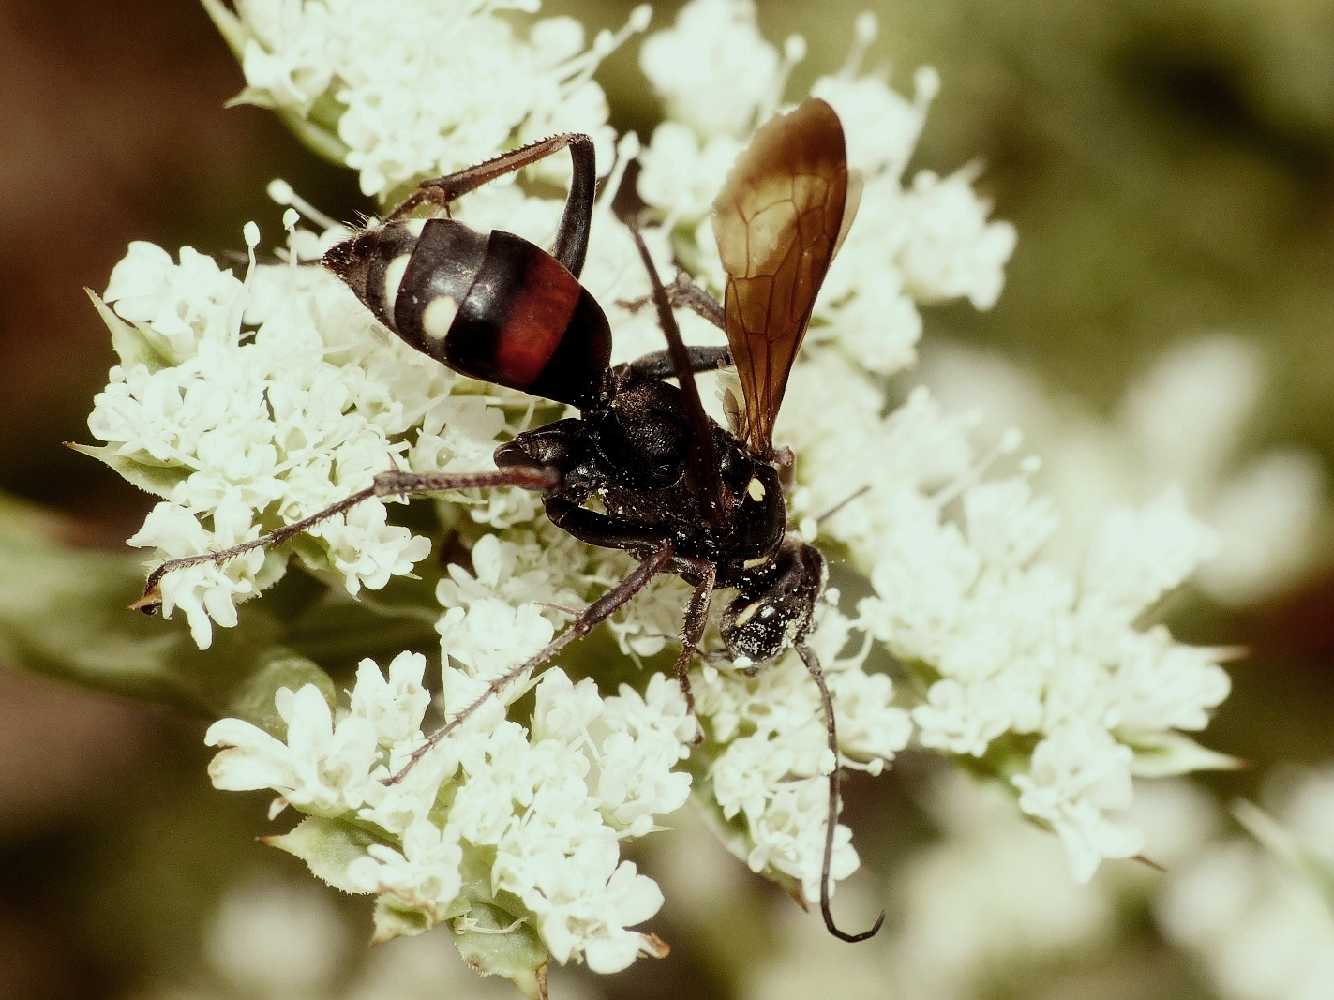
{"x": 670, "y": 486}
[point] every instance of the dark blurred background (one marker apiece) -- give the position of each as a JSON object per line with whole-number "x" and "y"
{"x": 1169, "y": 167}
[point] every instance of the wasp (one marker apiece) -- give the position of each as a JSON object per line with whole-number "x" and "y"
{"x": 642, "y": 467}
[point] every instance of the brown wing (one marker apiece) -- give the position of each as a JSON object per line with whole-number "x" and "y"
{"x": 778, "y": 221}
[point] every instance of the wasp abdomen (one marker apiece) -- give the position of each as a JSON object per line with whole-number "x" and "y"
{"x": 493, "y": 306}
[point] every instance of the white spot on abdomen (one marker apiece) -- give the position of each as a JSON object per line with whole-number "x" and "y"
{"x": 393, "y": 277}
{"x": 439, "y": 316}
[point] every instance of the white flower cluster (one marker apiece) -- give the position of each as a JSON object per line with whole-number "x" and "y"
{"x": 424, "y": 88}
{"x": 250, "y": 403}
{"x": 255, "y": 403}
{"x": 544, "y": 810}
{"x": 1041, "y": 671}
{"x": 1263, "y": 923}
{"x": 916, "y": 242}
{"x": 769, "y": 756}
{"x": 1266, "y": 507}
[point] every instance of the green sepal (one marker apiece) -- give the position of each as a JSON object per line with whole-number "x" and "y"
{"x": 392, "y": 919}
{"x": 1171, "y": 754}
{"x": 229, "y": 26}
{"x": 133, "y": 344}
{"x": 493, "y": 944}
{"x": 1288, "y": 848}
{"x": 491, "y": 930}
{"x": 157, "y": 480}
{"x": 327, "y": 846}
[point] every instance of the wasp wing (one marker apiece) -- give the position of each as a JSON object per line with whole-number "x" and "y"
{"x": 778, "y": 221}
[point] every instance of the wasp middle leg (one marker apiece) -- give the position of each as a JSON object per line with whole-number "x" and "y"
{"x": 386, "y": 484}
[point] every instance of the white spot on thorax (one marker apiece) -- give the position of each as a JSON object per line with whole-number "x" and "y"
{"x": 756, "y": 490}
{"x": 393, "y": 277}
{"x": 439, "y": 316}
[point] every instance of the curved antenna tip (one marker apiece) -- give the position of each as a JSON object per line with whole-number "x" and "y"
{"x": 853, "y": 938}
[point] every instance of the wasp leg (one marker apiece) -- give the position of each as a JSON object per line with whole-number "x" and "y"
{"x": 703, "y": 476}
{"x": 601, "y": 529}
{"x": 658, "y": 364}
{"x": 684, "y": 292}
{"x": 598, "y": 611}
{"x": 693, "y": 623}
{"x": 572, "y": 237}
{"x": 826, "y": 700}
{"x": 386, "y": 484}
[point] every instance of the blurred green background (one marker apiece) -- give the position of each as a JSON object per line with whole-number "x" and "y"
{"x": 1169, "y": 165}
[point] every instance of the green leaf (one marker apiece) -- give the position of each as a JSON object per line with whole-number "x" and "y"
{"x": 63, "y": 614}
{"x": 327, "y": 846}
{"x": 494, "y": 944}
{"x": 159, "y": 480}
{"x": 252, "y": 695}
{"x": 1169, "y": 754}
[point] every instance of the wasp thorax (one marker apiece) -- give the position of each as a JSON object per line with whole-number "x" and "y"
{"x": 644, "y": 432}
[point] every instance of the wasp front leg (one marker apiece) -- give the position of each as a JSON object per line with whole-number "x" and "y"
{"x": 599, "y": 611}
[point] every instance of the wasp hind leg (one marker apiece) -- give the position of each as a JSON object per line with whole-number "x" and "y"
{"x": 572, "y": 237}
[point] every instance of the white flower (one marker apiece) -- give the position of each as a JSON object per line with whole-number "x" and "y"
{"x": 323, "y": 769}
{"x": 588, "y": 903}
{"x": 409, "y": 105}
{"x": 639, "y": 740}
{"x": 727, "y": 55}
{"x": 772, "y": 761}
{"x": 1077, "y": 774}
{"x": 250, "y": 404}
{"x": 1007, "y": 643}
{"x": 490, "y": 636}
{"x": 1264, "y": 507}
{"x": 182, "y": 303}
{"x": 263, "y": 420}
{"x": 927, "y": 242}
{"x": 951, "y": 250}
{"x": 207, "y": 592}
{"x": 394, "y": 706}
{"x": 424, "y": 876}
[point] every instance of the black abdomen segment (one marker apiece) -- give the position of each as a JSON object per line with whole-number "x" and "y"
{"x": 495, "y": 307}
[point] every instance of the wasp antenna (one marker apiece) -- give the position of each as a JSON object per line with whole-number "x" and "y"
{"x": 813, "y": 667}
